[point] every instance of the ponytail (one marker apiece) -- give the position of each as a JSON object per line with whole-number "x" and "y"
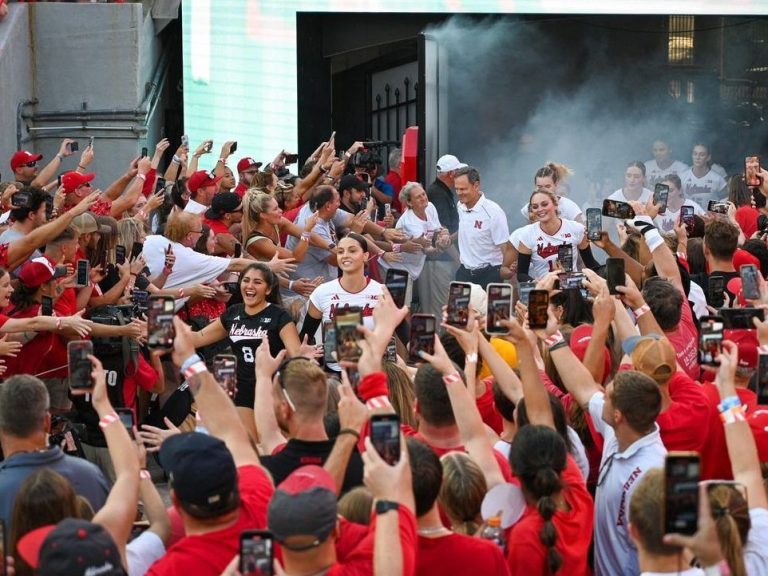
{"x": 732, "y": 524}
{"x": 557, "y": 172}
{"x": 548, "y": 484}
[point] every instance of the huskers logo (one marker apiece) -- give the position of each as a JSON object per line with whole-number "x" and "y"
{"x": 479, "y": 224}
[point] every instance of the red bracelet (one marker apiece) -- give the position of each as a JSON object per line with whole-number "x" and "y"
{"x": 108, "y": 419}
{"x": 196, "y": 368}
{"x": 181, "y": 292}
{"x": 144, "y": 474}
{"x": 642, "y": 310}
{"x": 554, "y": 339}
{"x": 378, "y": 402}
{"x": 451, "y": 378}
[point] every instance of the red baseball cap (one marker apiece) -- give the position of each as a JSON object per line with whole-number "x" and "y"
{"x": 742, "y": 257}
{"x": 579, "y": 341}
{"x": 38, "y": 271}
{"x": 246, "y": 163}
{"x": 758, "y": 423}
{"x": 73, "y": 180}
{"x": 748, "y": 344}
{"x": 201, "y": 179}
{"x": 23, "y": 157}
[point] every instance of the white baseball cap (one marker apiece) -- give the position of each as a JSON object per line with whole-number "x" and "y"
{"x": 448, "y": 163}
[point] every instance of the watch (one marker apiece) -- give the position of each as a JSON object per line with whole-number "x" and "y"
{"x": 384, "y": 506}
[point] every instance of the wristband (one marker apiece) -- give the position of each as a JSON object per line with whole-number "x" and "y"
{"x": 373, "y": 386}
{"x": 556, "y": 338}
{"x": 735, "y": 414}
{"x": 195, "y": 369}
{"x": 141, "y": 177}
{"x": 144, "y": 474}
{"x": 194, "y": 359}
{"x": 290, "y": 284}
{"x": 719, "y": 569}
{"x": 349, "y": 431}
{"x": 347, "y": 154}
{"x": 728, "y": 403}
{"x": 561, "y": 344}
{"x": 176, "y": 159}
{"x": 472, "y": 357}
{"x": 223, "y": 161}
{"x": 378, "y": 402}
{"x": 60, "y": 157}
{"x": 451, "y": 378}
{"x": 81, "y": 167}
{"x": 642, "y": 310}
{"x": 108, "y": 419}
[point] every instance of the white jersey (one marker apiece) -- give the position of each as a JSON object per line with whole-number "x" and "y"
{"x": 666, "y": 222}
{"x": 415, "y": 227}
{"x": 544, "y": 246}
{"x": 654, "y": 175}
{"x": 566, "y": 207}
{"x": 711, "y": 186}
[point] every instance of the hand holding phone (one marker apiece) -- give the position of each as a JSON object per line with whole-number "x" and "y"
{"x": 660, "y": 197}
{"x": 225, "y": 372}
{"x": 614, "y": 274}
{"x": 681, "y": 492}
{"x": 397, "y": 284}
{"x": 347, "y": 336}
{"x": 750, "y": 285}
{"x": 499, "y": 307}
{"x": 594, "y": 224}
{"x": 422, "y": 336}
{"x": 127, "y": 418}
{"x": 538, "y": 309}
{"x": 80, "y": 380}
{"x": 257, "y": 554}
{"x": 160, "y": 329}
{"x": 458, "y": 304}
{"x": 385, "y": 436}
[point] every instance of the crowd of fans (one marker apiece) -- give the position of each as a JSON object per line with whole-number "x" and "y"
{"x": 526, "y": 444}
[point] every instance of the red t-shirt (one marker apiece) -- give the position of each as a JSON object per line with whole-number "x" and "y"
{"x": 240, "y": 189}
{"x": 458, "y": 555}
{"x": 715, "y": 463}
{"x": 393, "y": 179}
{"x": 45, "y": 355}
{"x": 684, "y": 425}
{"x": 527, "y": 555}
{"x": 208, "y": 554}
{"x": 487, "y": 408}
{"x": 746, "y": 218}
{"x": 685, "y": 341}
{"x": 102, "y": 207}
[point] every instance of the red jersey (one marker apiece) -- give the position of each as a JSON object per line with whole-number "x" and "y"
{"x": 685, "y": 340}
{"x": 208, "y": 554}
{"x": 684, "y": 425}
{"x": 44, "y": 356}
{"x": 458, "y": 555}
{"x": 527, "y": 555}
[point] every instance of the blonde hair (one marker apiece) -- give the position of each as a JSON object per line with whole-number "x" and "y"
{"x": 462, "y": 492}
{"x": 731, "y": 515}
{"x": 401, "y": 393}
{"x": 129, "y": 230}
{"x": 180, "y": 224}
{"x": 553, "y": 170}
{"x": 254, "y": 205}
{"x": 552, "y": 196}
{"x": 356, "y": 505}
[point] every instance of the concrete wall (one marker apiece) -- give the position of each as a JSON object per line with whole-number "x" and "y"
{"x": 16, "y": 72}
{"x": 98, "y": 56}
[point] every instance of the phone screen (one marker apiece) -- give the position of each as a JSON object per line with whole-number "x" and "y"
{"x": 385, "y": 437}
{"x": 752, "y": 171}
{"x": 347, "y": 335}
{"x": 83, "y": 272}
{"x": 681, "y": 492}
{"x": 617, "y": 209}
{"x": 397, "y": 284}
{"x": 79, "y": 365}
{"x": 256, "y": 553}
{"x": 741, "y": 318}
{"x": 144, "y": 152}
{"x": 74, "y": 146}
{"x": 160, "y": 330}
{"x": 329, "y": 342}
{"x": 119, "y": 254}
{"x": 717, "y": 207}
{"x": 565, "y": 256}
{"x": 225, "y": 372}
{"x": 750, "y": 286}
{"x": 710, "y": 341}
{"x": 538, "y": 302}
{"x": 136, "y": 250}
{"x": 458, "y": 304}
{"x": 46, "y": 306}
{"x": 499, "y": 307}
{"x": 660, "y": 197}
{"x": 614, "y": 274}
{"x": 687, "y": 219}
{"x": 390, "y": 354}
{"x": 715, "y": 289}
{"x": 572, "y": 281}
{"x": 594, "y": 223}
{"x": 422, "y": 336}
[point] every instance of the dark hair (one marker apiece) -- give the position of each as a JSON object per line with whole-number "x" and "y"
{"x": 24, "y": 297}
{"x": 321, "y": 197}
{"x": 558, "y": 414}
{"x": 69, "y": 233}
{"x": 201, "y": 245}
{"x": 433, "y": 402}
{"x": 638, "y": 398}
{"x": 665, "y": 300}
{"x": 24, "y": 401}
{"x": 37, "y": 197}
{"x": 738, "y": 193}
{"x": 359, "y": 239}
{"x": 470, "y": 172}
{"x": 698, "y": 227}
{"x": 504, "y": 405}
{"x": 637, "y": 164}
{"x": 538, "y": 456}
{"x": 695, "y": 255}
{"x": 269, "y": 277}
{"x": 576, "y": 309}
{"x": 721, "y": 239}
{"x": 757, "y": 248}
{"x": 426, "y": 475}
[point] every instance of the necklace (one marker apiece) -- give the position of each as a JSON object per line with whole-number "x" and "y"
{"x": 432, "y": 530}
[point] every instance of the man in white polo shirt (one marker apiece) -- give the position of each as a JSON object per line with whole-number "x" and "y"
{"x": 625, "y": 414}
{"x": 483, "y": 231}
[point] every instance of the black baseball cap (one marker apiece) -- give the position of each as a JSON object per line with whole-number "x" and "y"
{"x": 352, "y": 181}
{"x": 223, "y": 203}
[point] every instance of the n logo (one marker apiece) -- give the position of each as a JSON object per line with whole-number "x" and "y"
{"x": 479, "y": 224}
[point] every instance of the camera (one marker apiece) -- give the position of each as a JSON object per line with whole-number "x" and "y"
{"x": 366, "y": 159}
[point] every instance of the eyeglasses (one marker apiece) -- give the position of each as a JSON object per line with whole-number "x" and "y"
{"x": 279, "y": 376}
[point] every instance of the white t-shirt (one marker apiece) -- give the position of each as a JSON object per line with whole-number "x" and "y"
{"x": 143, "y": 551}
{"x": 666, "y": 222}
{"x": 654, "y": 174}
{"x": 696, "y": 295}
{"x": 482, "y": 230}
{"x": 544, "y": 246}
{"x": 195, "y": 207}
{"x": 330, "y": 297}
{"x": 566, "y": 207}
{"x": 701, "y": 190}
{"x": 190, "y": 267}
{"x": 619, "y": 475}
{"x": 756, "y": 551}
{"x": 415, "y": 227}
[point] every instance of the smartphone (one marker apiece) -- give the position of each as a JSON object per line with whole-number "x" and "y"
{"x": 225, "y": 372}
{"x": 388, "y": 209}
{"x": 571, "y": 281}
{"x": 565, "y": 256}
{"x": 257, "y": 553}
{"x": 83, "y": 273}
{"x": 21, "y": 199}
{"x": 710, "y": 340}
{"x": 90, "y": 142}
{"x": 687, "y": 219}
{"x": 660, "y": 197}
{"x": 617, "y": 209}
{"x": 499, "y": 307}
{"x": 390, "y": 354}
{"x": 614, "y": 274}
{"x": 136, "y": 250}
{"x": 291, "y": 158}
{"x": 750, "y": 286}
{"x": 422, "y": 336}
{"x": 741, "y": 318}
{"x": 752, "y": 171}
{"x": 538, "y": 304}
{"x": 347, "y": 336}
{"x": 365, "y": 177}
{"x": 208, "y": 145}
{"x": 715, "y": 289}
{"x": 233, "y": 148}
{"x": 185, "y": 140}
{"x": 119, "y": 254}
{"x": 458, "y": 304}
{"x": 140, "y": 299}
{"x": 74, "y": 146}
{"x": 333, "y": 135}
{"x": 397, "y": 284}
{"x": 524, "y": 289}
{"x": 717, "y": 207}
{"x": 79, "y": 365}
{"x": 329, "y": 343}
{"x": 238, "y": 250}
{"x": 232, "y": 287}
{"x": 46, "y": 306}
{"x": 159, "y": 185}
{"x": 160, "y": 330}
{"x": 385, "y": 436}
{"x": 762, "y": 379}
{"x": 127, "y": 419}
{"x": 681, "y": 492}
{"x": 594, "y": 224}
